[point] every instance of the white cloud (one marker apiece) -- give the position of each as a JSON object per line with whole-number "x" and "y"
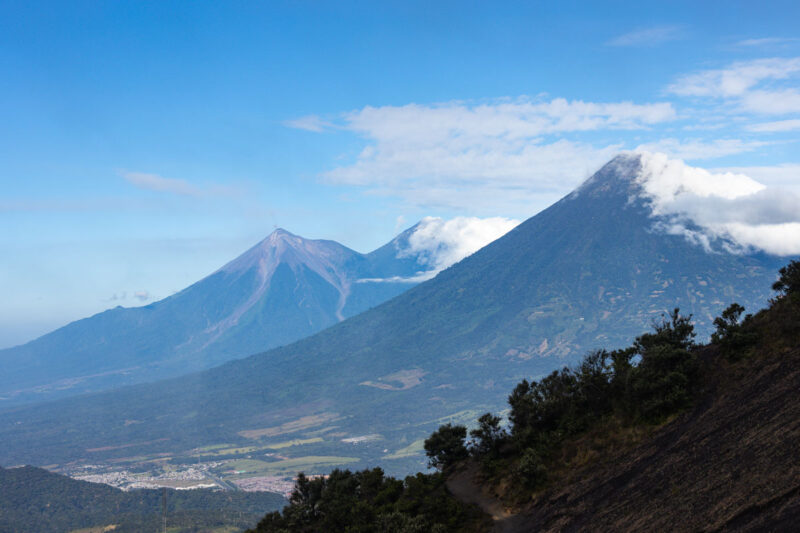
{"x": 665, "y": 180}
{"x": 438, "y": 243}
{"x": 509, "y": 155}
{"x": 142, "y": 296}
{"x": 737, "y": 79}
{"x": 768, "y": 41}
{"x": 648, "y": 36}
{"x": 751, "y": 85}
{"x": 729, "y": 206}
{"x": 786, "y": 175}
{"x": 774, "y": 102}
{"x": 489, "y": 177}
{"x": 699, "y": 149}
{"x": 308, "y": 123}
{"x": 517, "y": 156}
{"x": 776, "y": 126}
{"x": 779, "y": 239}
{"x": 512, "y": 119}
{"x": 154, "y": 182}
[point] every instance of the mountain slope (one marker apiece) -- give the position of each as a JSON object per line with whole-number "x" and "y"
{"x": 282, "y": 289}
{"x": 728, "y": 465}
{"x": 589, "y": 271}
{"x": 581, "y": 453}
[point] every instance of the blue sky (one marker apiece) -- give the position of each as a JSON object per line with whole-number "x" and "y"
{"x": 144, "y": 144}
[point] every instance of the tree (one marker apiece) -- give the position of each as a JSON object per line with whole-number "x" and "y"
{"x": 487, "y": 437}
{"x": 531, "y": 469}
{"x": 445, "y": 446}
{"x": 660, "y": 384}
{"x": 545, "y": 407}
{"x": 731, "y": 335}
{"x": 727, "y": 322}
{"x": 789, "y": 280}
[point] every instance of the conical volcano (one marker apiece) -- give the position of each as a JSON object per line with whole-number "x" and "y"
{"x": 591, "y": 271}
{"x": 282, "y": 289}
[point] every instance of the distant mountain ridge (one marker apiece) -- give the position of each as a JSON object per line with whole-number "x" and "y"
{"x": 33, "y": 499}
{"x": 593, "y": 270}
{"x": 282, "y": 289}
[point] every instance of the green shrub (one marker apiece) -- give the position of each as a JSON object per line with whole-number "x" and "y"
{"x": 445, "y": 446}
{"x": 531, "y": 469}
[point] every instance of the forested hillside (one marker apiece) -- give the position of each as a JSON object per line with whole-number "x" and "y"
{"x": 662, "y": 435}
{"x": 33, "y": 499}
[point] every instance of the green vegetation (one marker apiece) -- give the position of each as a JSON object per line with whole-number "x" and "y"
{"x": 732, "y": 336}
{"x": 445, "y": 446}
{"x": 642, "y": 384}
{"x": 416, "y": 447}
{"x": 285, "y": 466}
{"x": 369, "y": 501}
{"x": 296, "y": 442}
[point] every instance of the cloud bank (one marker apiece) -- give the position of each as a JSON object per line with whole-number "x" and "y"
{"x": 516, "y": 156}
{"x": 500, "y": 155}
{"x": 439, "y": 243}
{"x": 729, "y": 208}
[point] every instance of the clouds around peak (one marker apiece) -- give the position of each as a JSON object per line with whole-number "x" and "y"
{"x": 497, "y": 155}
{"x": 648, "y": 36}
{"x": 437, "y": 243}
{"x": 721, "y": 209}
{"x": 515, "y": 156}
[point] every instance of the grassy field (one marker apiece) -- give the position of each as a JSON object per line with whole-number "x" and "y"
{"x": 311, "y": 464}
{"x": 415, "y": 448}
{"x": 305, "y": 422}
{"x": 290, "y": 443}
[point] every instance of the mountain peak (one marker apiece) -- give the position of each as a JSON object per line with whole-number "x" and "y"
{"x": 281, "y": 233}
{"x": 281, "y": 246}
{"x": 620, "y": 175}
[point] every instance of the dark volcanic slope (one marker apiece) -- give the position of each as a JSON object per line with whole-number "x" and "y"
{"x": 731, "y": 464}
{"x": 588, "y": 272}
